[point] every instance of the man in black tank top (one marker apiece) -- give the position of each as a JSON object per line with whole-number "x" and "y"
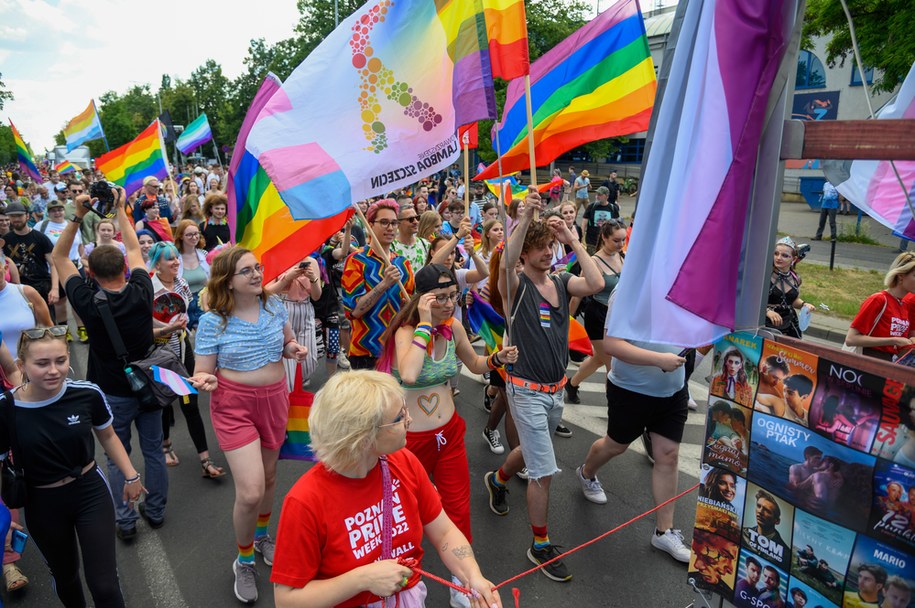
{"x": 539, "y": 326}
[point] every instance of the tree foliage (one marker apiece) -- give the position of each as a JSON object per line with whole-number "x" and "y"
{"x": 226, "y": 101}
{"x": 4, "y": 94}
{"x": 883, "y": 29}
{"x": 7, "y": 145}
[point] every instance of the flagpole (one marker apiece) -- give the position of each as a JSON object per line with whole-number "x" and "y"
{"x": 530, "y": 134}
{"x": 503, "y": 214}
{"x": 100, "y": 127}
{"x": 465, "y": 139}
{"x": 374, "y": 244}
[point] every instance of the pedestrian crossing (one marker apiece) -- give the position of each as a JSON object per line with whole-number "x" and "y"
{"x": 591, "y": 415}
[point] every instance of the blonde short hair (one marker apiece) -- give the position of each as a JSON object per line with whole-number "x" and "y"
{"x": 901, "y": 266}
{"x": 346, "y": 413}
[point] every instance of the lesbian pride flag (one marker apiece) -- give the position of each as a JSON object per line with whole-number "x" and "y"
{"x": 699, "y": 254}
{"x": 873, "y": 187}
{"x": 84, "y": 127}
{"x": 373, "y": 107}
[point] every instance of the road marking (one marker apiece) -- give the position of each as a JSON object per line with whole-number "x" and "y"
{"x": 160, "y": 578}
{"x": 593, "y": 418}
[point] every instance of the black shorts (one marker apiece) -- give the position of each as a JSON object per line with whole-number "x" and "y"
{"x": 595, "y": 317}
{"x": 629, "y": 414}
{"x": 496, "y": 380}
{"x": 363, "y": 362}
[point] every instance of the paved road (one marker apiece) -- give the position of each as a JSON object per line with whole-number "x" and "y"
{"x": 187, "y": 562}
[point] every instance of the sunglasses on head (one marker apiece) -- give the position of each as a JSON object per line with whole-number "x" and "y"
{"x": 37, "y": 333}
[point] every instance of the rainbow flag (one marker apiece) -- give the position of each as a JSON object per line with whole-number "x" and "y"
{"x": 65, "y": 167}
{"x": 24, "y": 155}
{"x": 84, "y": 127}
{"x": 297, "y": 442}
{"x": 195, "y": 135}
{"x": 511, "y": 187}
{"x": 259, "y": 219}
{"x": 486, "y": 322}
{"x": 578, "y": 338}
{"x": 398, "y": 77}
{"x": 128, "y": 165}
{"x": 597, "y": 83}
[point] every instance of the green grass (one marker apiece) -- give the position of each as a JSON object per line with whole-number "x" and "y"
{"x": 842, "y": 289}
{"x": 847, "y": 234}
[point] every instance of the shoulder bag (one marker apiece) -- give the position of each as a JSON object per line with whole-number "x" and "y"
{"x": 12, "y": 477}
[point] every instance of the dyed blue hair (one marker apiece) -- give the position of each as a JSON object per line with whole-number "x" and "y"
{"x": 163, "y": 250}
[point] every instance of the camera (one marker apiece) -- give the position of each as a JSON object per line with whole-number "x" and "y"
{"x": 304, "y": 265}
{"x": 101, "y": 191}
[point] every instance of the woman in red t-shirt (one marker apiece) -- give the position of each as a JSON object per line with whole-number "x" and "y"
{"x": 882, "y": 326}
{"x": 331, "y": 546}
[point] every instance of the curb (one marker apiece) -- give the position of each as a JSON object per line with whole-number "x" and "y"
{"x": 826, "y": 333}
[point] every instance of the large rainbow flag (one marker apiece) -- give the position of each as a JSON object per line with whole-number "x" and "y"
{"x": 389, "y": 80}
{"x": 24, "y": 155}
{"x": 259, "y": 219}
{"x": 84, "y": 127}
{"x": 144, "y": 156}
{"x": 597, "y": 83}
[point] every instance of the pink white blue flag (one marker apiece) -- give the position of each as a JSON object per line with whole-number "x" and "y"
{"x": 173, "y": 380}
{"x": 873, "y": 187}
{"x": 687, "y": 262}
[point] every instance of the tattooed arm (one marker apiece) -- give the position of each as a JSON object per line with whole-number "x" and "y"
{"x": 455, "y": 552}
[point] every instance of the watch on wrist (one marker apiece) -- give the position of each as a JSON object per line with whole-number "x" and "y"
{"x": 76, "y": 219}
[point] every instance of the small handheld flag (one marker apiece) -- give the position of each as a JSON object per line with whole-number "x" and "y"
{"x": 178, "y": 383}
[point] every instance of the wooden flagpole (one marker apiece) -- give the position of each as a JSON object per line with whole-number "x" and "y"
{"x": 503, "y": 214}
{"x": 466, "y": 141}
{"x": 530, "y": 135}
{"x": 374, "y": 244}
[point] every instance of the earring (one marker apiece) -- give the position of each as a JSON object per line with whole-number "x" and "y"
{"x": 72, "y": 374}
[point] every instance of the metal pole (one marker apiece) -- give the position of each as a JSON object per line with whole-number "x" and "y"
{"x": 336, "y": 14}
{"x": 832, "y": 253}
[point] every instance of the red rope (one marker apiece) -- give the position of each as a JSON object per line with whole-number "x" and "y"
{"x": 411, "y": 563}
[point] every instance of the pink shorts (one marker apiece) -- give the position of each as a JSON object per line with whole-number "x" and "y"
{"x": 242, "y": 413}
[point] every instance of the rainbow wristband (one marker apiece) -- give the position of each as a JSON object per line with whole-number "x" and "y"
{"x": 420, "y": 344}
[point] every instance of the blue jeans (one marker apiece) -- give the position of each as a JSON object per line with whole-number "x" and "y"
{"x": 536, "y": 415}
{"x": 126, "y": 410}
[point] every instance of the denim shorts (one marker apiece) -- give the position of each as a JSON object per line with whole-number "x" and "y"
{"x": 536, "y": 415}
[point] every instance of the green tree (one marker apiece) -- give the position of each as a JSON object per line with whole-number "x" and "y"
{"x": 884, "y": 32}
{"x": 4, "y": 94}
{"x": 211, "y": 90}
{"x": 7, "y": 145}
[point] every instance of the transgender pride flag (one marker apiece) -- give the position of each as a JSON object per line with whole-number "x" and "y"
{"x": 873, "y": 186}
{"x": 695, "y": 269}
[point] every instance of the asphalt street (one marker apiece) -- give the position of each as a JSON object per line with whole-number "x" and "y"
{"x": 187, "y": 562}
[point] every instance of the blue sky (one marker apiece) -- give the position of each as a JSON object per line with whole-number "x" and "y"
{"x": 56, "y": 55}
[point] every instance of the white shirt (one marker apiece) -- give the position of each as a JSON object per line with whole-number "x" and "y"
{"x": 53, "y": 230}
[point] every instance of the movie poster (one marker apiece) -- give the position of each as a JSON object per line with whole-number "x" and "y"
{"x": 720, "y": 503}
{"x": 713, "y": 563}
{"x": 727, "y": 435}
{"x": 896, "y": 434}
{"x": 820, "y": 554}
{"x": 811, "y": 472}
{"x": 893, "y": 512}
{"x": 807, "y": 485}
{"x": 767, "y": 526}
{"x": 879, "y": 575}
{"x": 734, "y": 369}
{"x": 787, "y": 381}
{"x": 847, "y": 405}
{"x": 760, "y": 583}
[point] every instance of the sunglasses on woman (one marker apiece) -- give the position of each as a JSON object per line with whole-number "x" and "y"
{"x": 37, "y": 333}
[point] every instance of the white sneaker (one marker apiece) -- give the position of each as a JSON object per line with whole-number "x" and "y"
{"x": 343, "y": 361}
{"x": 591, "y": 488}
{"x": 494, "y": 441}
{"x": 458, "y": 599}
{"x": 671, "y": 542}
{"x": 691, "y": 404}
{"x": 522, "y": 474}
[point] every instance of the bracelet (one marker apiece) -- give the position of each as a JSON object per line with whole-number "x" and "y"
{"x": 133, "y": 479}
{"x": 497, "y": 359}
{"x": 420, "y": 344}
{"x": 423, "y": 333}
{"x": 424, "y": 326}
{"x": 491, "y": 362}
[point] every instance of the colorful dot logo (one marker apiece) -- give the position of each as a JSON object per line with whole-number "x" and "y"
{"x": 375, "y": 79}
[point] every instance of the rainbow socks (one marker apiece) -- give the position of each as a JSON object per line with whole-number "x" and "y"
{"x": 263, "y": 521}
{"x": 541, "y": 538}
{"x": 500, "y": 478}
{"x": 246, "y": 554}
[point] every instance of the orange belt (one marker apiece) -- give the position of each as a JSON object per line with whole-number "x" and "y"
{"x": 534, "y": 386}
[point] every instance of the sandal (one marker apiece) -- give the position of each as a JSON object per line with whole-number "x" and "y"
{"x": 211, "y": 470}
{"x": 171, "y": 459}
{"x": 15, "y": 579}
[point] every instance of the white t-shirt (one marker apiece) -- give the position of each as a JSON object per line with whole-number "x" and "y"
{"x": 53, "y": 230}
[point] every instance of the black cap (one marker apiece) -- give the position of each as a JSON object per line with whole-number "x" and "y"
{"x": 15, "y": 207}
{"x": 428, "y": 276}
